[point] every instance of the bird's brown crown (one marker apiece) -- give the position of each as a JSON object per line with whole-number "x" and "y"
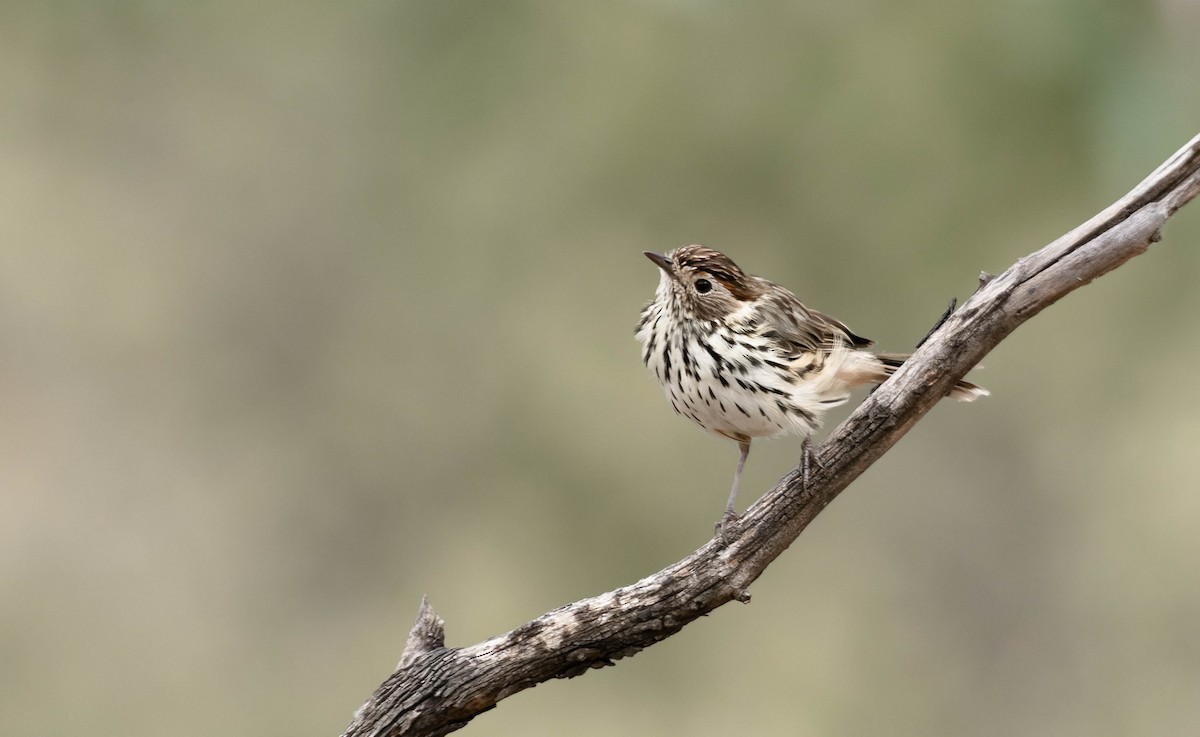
{"x": 720, "y": 267}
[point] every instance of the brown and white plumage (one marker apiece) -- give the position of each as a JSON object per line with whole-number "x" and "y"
{"x": 743, "y": 358}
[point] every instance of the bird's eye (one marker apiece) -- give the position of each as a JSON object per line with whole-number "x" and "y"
{"x": 703, "y": 286}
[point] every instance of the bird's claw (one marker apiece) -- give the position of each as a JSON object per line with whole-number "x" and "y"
{"x": 807, "y": 459}
{"x": 724, "y": 528}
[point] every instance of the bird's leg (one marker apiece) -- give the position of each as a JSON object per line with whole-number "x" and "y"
{"x": 730, "y": 515}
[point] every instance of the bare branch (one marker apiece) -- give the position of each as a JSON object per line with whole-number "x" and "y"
{"x": 436, "y": 690}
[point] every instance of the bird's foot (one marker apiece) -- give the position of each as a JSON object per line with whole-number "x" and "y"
{"x": 807, "y": 460}
{"x": 724, "y": 528}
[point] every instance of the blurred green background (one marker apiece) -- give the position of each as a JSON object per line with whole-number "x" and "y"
{"x": 308, "y": 309}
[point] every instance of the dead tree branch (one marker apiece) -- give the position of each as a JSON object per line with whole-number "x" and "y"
{"x": 436, "y": 690}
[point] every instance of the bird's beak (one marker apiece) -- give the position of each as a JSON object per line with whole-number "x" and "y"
{"x": 661, "y": 262}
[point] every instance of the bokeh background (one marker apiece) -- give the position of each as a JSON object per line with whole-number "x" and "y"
{"x": 308, "y": 309}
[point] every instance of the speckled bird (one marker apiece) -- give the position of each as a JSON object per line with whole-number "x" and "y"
{"x": 743, "y": 358}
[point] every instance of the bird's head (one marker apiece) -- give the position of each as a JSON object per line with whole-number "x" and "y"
{"x": 699, "y": 283}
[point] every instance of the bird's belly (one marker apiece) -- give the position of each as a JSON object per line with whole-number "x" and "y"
{"x": 727, "y": 393}
{"x": 741, "y": 406}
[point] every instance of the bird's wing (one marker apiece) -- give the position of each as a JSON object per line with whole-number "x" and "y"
{"x": 798, "y": 330}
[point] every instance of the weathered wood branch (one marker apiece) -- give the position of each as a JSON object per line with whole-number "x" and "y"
{"x": 436, "y": 690}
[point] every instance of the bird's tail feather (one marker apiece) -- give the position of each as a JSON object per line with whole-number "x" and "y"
{"x": 963, "y": 391}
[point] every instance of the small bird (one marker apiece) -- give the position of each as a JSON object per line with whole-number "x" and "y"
{"x": 743, "y": 358}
